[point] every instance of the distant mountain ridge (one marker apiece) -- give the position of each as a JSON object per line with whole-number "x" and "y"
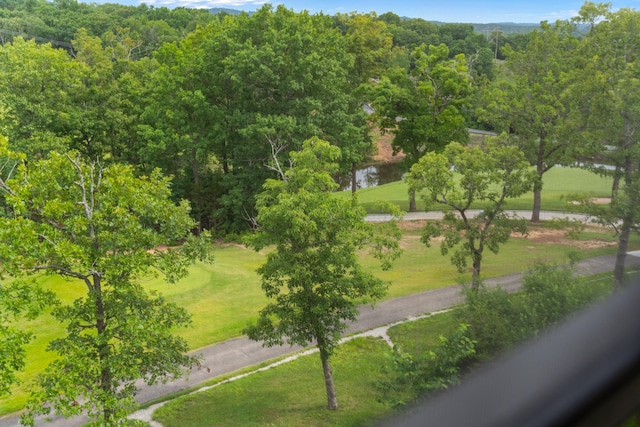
{"x": 217, "y": 10}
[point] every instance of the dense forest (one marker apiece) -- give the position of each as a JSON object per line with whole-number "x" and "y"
{"x": 204, "y": 97}
{"x": 167, "y": 124}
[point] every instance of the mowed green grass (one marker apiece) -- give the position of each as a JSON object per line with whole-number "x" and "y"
{"x": 273, "y": 397}
{"x": 225, "y": 296}
{"x": 558, "y": 184}
{"x": 292, "y": 394}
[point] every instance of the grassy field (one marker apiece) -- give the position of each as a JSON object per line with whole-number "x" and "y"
{"x": 225, "y": 296}
{"x": 558, "y": 183}
{"x": 292, "y": 394}
{"x": 273, "y": 398}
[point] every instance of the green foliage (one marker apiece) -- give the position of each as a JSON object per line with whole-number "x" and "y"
{"x": 488, "y": 174}
{"x": 529, "y": 100}
{"x": 313, "y": 275}
{"x": 608, "y": 90}
{"x": 103, "y": 226}
{"x": 232, "y": 101}
{"x": 414, "y": 377}
{"x": 422, "y": 105}
{"x": 19, "y": 301}
{"x": 499, "y": 320}
{"x": 58, "y": 22}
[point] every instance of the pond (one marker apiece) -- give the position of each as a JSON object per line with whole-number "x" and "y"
{"x": 372, "y": 176}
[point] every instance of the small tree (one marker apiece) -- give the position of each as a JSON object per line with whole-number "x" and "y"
{"x": 103, "y": 227}
{"x": 609, "y": 85}
{"x": 313, "y": 274}
{"x": 488, "y": 176}
{"x": 412, "y": 377}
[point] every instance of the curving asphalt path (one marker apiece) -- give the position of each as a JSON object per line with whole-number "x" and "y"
{"x": 237, "y": 353}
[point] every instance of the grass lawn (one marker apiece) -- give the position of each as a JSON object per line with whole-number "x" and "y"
{"x": 558, "y": 183}
{"x": 292, "y": 394}
{"x": 225, "y": 296}
{"x": 421, "y": 335}
{"x": 273, "y": 397}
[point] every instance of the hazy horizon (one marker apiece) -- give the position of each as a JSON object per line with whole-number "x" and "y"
{"x": 463, "y": 11}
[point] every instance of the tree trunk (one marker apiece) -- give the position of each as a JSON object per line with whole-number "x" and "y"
{"x": 332, "y": 399}
{"x": 616, "y": 183}
{"x": 623, "y": 242}
{"x": 627, "y": 218}
{"x": 537, "y": 203}
{"x": 413, "y": 207}
{"x": 103, "y": 351}
{"x": 196, "y": 188}
{"x": 354, "y": 181}
{"x": 475, "y": 278}
{"x": 537, "y": 186}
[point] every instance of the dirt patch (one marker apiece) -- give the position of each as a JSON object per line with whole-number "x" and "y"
{"x": 546, "y": 236}
{"x": 385, "y": 149}
{"x": 412, "y": 225}
{"x": 536, "y": 234}
{"x": 595, "y": 201}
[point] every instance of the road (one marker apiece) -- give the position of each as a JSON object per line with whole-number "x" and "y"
{"x": 237, "y": 353}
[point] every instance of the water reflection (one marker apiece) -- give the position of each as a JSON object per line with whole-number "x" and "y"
{"x": 372, "y": 176}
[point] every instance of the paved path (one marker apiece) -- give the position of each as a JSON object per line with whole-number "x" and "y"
{"x": 544, "y": 215}
{"x": 237, "y": 353}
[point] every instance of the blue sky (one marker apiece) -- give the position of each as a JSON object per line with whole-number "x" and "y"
{"x": 468, "y": 11}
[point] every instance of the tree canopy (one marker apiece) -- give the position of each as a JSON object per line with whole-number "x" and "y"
{"x": 102, "y": 228}
{"x": 462, "y": 176}
{"x": 313, "y": 275}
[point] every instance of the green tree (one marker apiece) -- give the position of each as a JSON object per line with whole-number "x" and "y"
{"x": 181, "y": 126}
{"x": 36, "y": 83}
{"x": 313, "y": 274}
{"x": 529, "y": 100}
{"x": 488, "y": 176}
{"x": 609, "y": 88}
{"x": 266, "y": 83}
{"x": 104, "y": 111}
{"x": 20, "y": 299}
{"x": 103, "y": 228}
{"x": 424, "y": 105}
{"x": 369, "y": 42}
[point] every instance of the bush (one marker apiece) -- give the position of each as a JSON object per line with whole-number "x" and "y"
{"x": 498, "y": 320}
{"x": 413, "y": 377}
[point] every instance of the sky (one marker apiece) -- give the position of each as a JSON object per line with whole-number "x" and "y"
{"x": 466, "y": 11}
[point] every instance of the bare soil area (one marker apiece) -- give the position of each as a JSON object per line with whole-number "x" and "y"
{"x": 559, "y": 236}
{"x": 385, "y": 150}
{"x": 536, "y": 234}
